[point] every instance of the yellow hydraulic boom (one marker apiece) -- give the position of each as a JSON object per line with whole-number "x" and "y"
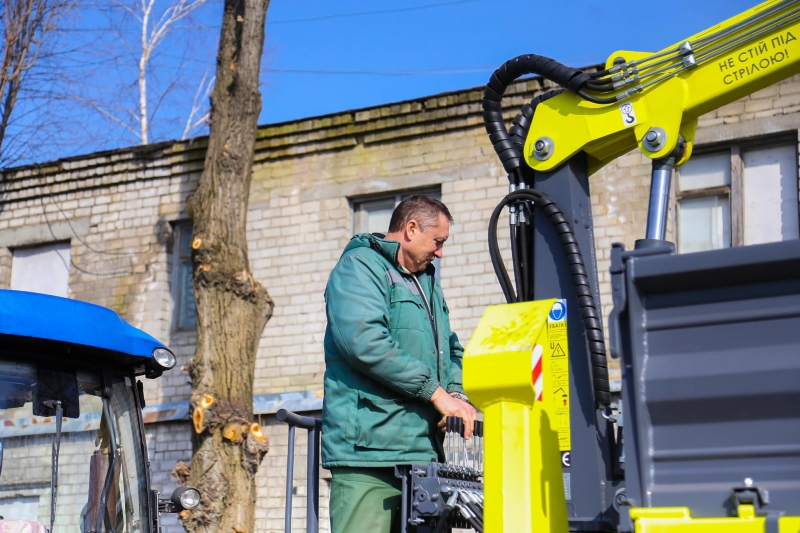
{"x": 657, "y": 97}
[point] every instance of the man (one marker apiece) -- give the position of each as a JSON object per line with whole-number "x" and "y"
{"x": 393, "y": 367}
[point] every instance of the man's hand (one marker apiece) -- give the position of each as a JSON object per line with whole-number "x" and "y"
{"x": 449, "y": 406}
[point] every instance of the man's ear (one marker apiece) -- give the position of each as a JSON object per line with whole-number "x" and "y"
{"x": 411, "y": 228}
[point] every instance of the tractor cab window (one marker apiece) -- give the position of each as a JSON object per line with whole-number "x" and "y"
{"x": 101, "y": 483}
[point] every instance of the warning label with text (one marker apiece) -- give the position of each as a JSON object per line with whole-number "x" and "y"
{"x": 558, "y": 352}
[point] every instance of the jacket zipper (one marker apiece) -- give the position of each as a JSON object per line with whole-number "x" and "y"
{"x": 430, "y": 312}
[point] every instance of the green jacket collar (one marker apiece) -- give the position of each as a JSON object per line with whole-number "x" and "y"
{"x": 388, "y": 249}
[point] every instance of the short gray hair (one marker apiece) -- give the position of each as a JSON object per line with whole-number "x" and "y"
{"x": 424, "y": 209}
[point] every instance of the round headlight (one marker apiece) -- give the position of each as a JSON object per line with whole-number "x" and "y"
{"x": 164, "y": 358}
{"x": 186, "y": 497}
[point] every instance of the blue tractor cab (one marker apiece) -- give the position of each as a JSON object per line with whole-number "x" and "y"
{"x": 70, "y": 395}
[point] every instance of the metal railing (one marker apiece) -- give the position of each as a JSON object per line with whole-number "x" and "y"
{"x": 314, "y": 428}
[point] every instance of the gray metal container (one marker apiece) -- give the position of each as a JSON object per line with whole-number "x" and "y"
{"x": 710, "y": 348}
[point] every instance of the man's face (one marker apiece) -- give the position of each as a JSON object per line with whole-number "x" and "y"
{"x": 420, "y": 248}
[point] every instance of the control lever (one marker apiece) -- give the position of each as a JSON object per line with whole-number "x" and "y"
{"x": 459, "y": 440}
{"x": 449, "y": 428}
{"x": 456, "y": 451}
{"x": 465, "y": 452}
{"x": 478, "y": 451}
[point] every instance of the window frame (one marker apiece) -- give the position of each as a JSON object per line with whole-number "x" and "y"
{"x": 177, "y": 261}
{"x": 734, "y": 191}
{"x": 66, "y": 243}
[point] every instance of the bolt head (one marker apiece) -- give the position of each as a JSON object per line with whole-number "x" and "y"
{"x": 542, "y": 147}
{"x": 652, "y": 136}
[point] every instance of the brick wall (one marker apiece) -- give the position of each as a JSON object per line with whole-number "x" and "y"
{"x": 26, "y": 473}
{"x": 117, "y": 211}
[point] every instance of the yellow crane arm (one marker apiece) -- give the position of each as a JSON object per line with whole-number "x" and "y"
{"x": 657, "y": 97}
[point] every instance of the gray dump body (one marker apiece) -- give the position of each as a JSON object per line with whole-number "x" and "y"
{"x": 710, "y": 348}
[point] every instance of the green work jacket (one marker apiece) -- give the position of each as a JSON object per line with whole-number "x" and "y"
{"x": 383, "y": 362}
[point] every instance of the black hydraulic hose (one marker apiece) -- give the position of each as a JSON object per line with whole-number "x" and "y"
{"x": 519, "y": 133}
{"x": 580, "y": 280}
{"x": 529, "y": 235}
{"x": 527, "y": 269}
{"x": 606, "y": 87}
{"x": 471, "y": 519}
{"x": 515, "y": 259}
{"x": 497, "y": 259}
{"x": 522, "y": 124}
{"x": 600, "y": 74}
{"x": 596, "y": 100}
{"x": 568, "y": 77}
{"x": 472, "y": 507}
{"x": 508, "y": 145}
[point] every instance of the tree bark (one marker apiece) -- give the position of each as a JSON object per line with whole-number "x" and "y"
{"x": 232, "y": 307}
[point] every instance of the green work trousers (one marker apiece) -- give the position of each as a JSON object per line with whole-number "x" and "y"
{"x": 365, "y": 500}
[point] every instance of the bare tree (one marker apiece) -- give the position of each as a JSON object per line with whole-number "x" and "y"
{"x": 232, "y": 307}
{"x": 199, "y": 114}
{"x": 130, "y": 101}
{"x": 150, "y": 39}
{"x": 26, "y": 25}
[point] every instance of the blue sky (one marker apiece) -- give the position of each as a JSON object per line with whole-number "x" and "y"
{"x": 322, "y": 57}
{"x": 459, "y": 43}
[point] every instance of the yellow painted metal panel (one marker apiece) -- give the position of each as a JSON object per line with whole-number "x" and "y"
{"x": 679, "y": 520}
{"x": 523, "y": 480}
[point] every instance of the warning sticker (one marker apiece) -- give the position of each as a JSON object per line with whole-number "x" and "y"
{"x": 558, "y": 352}
{"x": 628, "y": 114}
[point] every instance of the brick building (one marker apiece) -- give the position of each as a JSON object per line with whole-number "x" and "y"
{"x": 112, "y": 228}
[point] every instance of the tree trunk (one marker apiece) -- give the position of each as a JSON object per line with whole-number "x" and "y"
{"x": 232, "y": 307}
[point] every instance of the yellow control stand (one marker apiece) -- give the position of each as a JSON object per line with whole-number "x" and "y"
{"x": 523, "y": 483}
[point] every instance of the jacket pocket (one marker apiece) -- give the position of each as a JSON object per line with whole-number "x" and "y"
{"x": 380, "y": 424}
{"x": 405, "y": 311}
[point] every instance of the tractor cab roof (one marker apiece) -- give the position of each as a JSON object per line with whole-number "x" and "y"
{"x": 40, "y": 317}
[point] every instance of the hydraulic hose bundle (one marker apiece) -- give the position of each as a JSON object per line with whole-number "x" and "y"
{"x": 521, "y": 200}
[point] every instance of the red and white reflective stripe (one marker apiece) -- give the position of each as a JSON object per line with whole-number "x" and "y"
{"x": 538, "y": 381}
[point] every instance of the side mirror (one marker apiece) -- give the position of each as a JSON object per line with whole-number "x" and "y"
{"x": 183, "y": 498}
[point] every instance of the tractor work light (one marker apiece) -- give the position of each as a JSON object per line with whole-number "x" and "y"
{"x": 164, "y": 358}
{"x": 186, "y": 497}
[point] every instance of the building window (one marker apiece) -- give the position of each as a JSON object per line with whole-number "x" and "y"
{"x": 372, "y": 214}
{"x": 20, "y": 508}
{"x": 743, "y": 194}
{"x": 183, "y": 288}
{"x": 43, "y": 269}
